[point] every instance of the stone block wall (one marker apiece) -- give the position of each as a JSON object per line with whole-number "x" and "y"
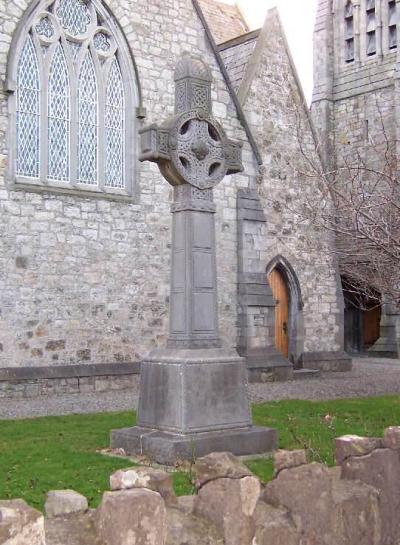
{"x": 86, "y": 280}
{"x": 355, "y": 503}
{"x": 279, "y": 119}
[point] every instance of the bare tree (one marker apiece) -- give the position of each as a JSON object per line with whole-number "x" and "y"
{"x": 358, "y": 201}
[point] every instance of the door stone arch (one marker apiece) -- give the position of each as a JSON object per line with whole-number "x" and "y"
{"x": 295, "y": 322}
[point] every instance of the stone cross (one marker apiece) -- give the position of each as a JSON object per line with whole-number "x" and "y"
{"x": 194, "y": 155}
{"x": 193, "y": 395}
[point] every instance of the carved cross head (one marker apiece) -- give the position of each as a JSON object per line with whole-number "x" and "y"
{"x": 192, "y": 147}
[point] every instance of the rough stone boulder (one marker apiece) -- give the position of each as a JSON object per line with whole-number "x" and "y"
{"x": 217, "y": 466}
{"x": 187, "y": 529}
{"x": 230, "y": 505}
{"x": 380, "y": 469}
{"x": 305, "y": 491}
{"x": 391, "y": 438}
{"x": 274, "y": 526}
{"x": 285, "y": 459}
{"x": 64, "y": 502}
{"x": 354, "y": 445}
{"x": 20, "y": 524}
{"x": 145, "y": 477}
{"x": 76, "y": 529}
{"x": 132, "y": 517}
{"x": 186, "y": 504}
{"x": 325, "y": 509}
{"x": 355, "y": 514}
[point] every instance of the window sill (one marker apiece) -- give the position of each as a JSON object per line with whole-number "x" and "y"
{"x": 81, "y": 191}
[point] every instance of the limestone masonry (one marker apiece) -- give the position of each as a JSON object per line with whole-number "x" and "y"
{"x": 85, "y": 245}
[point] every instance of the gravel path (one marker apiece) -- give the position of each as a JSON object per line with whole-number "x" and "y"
{"x": 369, "y": 377}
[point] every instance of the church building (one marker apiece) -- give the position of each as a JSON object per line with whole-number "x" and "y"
{"x": 85, "y": 227}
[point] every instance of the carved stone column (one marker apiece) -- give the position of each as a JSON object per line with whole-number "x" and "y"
{"x": 193, "y": 396}
{"x": 194, "y": 303}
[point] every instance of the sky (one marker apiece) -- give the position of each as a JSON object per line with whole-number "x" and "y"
{"x": 298, "y": 18}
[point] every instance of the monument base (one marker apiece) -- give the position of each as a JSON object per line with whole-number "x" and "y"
{"x": 168, "y": 448}
{"x": 387, "y": 345}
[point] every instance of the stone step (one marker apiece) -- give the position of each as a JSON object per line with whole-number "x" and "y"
{"x": 305, "y": 374}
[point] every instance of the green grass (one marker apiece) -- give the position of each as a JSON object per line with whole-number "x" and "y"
{"x": 44, "y": 454}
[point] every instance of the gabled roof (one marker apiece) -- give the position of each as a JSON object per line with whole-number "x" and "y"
{"x": 225, "y": 21}
{"x": 236, "y": 54}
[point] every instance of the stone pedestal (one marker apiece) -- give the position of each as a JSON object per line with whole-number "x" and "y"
{"x": 387, "y": 346}
{"x": 193, "y": 393}
{"x": 168, "y": 448}
{"x": 193, "y": 402}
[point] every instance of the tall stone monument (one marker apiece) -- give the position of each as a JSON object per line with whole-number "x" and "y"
{"x": 193, "y": 393}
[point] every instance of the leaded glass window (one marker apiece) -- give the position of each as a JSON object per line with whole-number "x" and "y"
{"x": 115, "y": 141}
{"x": 74, "y": 100}
{"x": 58, "y": 118}
{"x": 28, "y": 112}
{"x": 87, "y": 121}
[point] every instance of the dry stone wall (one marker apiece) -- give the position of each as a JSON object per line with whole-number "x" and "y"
{"x": 354, "y": 503}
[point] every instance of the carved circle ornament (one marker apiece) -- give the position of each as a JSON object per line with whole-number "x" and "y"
{"x": 197, "y": 144}
{"x": 191, "y": 147}
{"x": 78, "y": 21}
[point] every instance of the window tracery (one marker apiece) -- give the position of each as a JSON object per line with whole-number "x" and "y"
{"x": 72, "y": 101}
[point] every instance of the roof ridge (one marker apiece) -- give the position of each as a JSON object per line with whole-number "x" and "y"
{"x": 243, "y": 38}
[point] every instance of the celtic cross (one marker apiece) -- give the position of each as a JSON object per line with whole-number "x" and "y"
{"x": 194, "y": 155}
{"x": 193, "y": 396}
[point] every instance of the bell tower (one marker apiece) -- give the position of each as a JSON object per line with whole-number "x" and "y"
{"x": 356, "y": 102}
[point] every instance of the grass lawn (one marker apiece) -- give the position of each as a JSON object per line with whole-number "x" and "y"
{"x": 44, "y": 454}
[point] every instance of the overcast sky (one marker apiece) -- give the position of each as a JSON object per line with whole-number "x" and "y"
{"x": 298, "y": 17}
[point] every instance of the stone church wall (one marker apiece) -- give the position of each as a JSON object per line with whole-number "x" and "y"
{"x": 86, "y": 280}
{"x": 358, "y": 124}
{"x": 275, "y": 108}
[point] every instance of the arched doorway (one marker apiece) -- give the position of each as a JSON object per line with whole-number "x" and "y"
{"x": 362, "y": 317}
{"x": 289, "y": 326}
{"x": 281, "y": 293}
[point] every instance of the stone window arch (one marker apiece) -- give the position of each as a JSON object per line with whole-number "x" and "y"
{"x": 74, "y": 92}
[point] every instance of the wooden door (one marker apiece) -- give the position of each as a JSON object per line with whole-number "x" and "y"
{"x": 281, "y": 293}
{"x": 371, "y": 326}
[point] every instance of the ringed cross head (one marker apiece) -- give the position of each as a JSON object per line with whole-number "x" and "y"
{"x": 192, "y": 147}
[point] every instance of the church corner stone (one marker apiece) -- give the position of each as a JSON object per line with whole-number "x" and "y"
{"x": 201, "y": 402}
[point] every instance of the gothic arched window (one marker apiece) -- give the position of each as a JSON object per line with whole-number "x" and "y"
{"x": 74, "y": 95}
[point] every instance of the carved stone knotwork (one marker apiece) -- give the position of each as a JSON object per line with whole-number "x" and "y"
{"x": 187, "y": 197}
{"x": 192, "y": 147}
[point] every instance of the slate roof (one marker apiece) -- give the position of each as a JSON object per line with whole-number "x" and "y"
{"x": 236, "y": 54}
{"x": 225, "y": 21}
